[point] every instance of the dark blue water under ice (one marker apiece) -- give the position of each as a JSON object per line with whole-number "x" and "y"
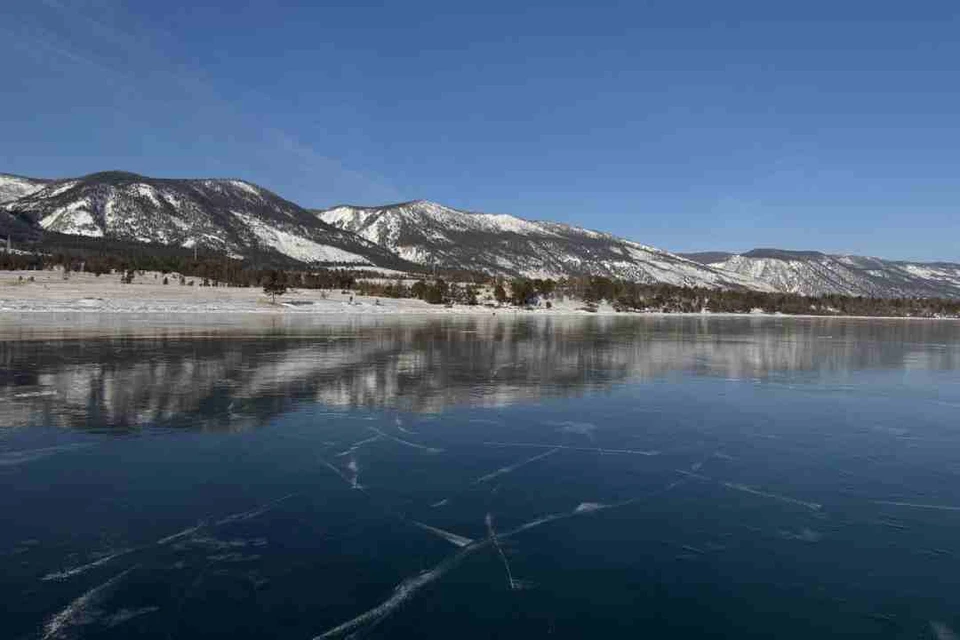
{"x": 481, "y": 478}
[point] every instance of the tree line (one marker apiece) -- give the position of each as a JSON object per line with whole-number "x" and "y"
{"x": 633, "y": 296}
{"x": 217, "y": 270}
{"x": 623, "y": 295}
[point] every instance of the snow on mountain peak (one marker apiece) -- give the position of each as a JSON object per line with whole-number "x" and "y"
{"x": 429, "y": 233}
{"x": 13, "y": 187}
{"x": 241, "y": 218}
{"x": 815, "y": 273}
{"x": 233, "y": 216}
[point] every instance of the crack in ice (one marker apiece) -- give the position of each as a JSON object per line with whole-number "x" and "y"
{"x": 535, "y": 445}
{"x": 351, "y": 482}
{"x": 513, "y": 584}
{"x": 252, "y": 513}
{"x": 357, "y": 445}
{"x": 13, "y": 458}
{"x": 406, "y": 442}
{"x": 75, "y": 571}
{"x": 452, "y": 538}
{"x": 918, "y": 505}
{"x": 398, "y": 423}
{"x": 410, "y": 586}
{"x": 813, "y": 506}
{"x": 74, "y": 613}
{"x": 513, "y": 467}
{"x": 182, "y": 534}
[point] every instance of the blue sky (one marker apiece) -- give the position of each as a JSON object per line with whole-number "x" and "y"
{"x": 686, "y": 125}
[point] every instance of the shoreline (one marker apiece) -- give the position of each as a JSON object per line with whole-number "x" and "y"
{"x": 363, "y": 310}
{"x": 86, "y": 295}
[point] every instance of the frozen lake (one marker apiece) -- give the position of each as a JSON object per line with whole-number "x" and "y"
{"x": 247, "y": 477}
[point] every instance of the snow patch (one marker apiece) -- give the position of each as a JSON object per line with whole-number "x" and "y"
{"x": 249, "y": 188}
{"x": 74, "y": 219}
{"x": 15, "y": 187}
{"x": 296, "y": 247}
{"x": 146, "y": 191}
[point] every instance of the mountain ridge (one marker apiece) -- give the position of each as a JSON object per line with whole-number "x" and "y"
{"x": 242, "y": 219}
{"x": 818, "y": 273}
{"x": 14, "y": 186}
{"x": 501, "y": 244}
{"x": 230, "y": 216}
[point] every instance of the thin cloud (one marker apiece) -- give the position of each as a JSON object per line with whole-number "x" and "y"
{"x": 330, "y": 174}
{"x": 130, "y": 64}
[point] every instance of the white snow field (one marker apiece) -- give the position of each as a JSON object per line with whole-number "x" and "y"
{"x": 84, "y": 292}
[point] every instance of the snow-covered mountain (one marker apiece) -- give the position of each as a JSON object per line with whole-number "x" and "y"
{"x": 430, "y": 234}
{"x": 815, "y": 273}
{"x": 231, "y": 216}
{"x": 242, "y": 219}
{"x": 13, "y": 187}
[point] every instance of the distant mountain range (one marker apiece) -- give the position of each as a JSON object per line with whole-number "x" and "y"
{"x": 428, "y": 233}
{"x": 239, "y": 218}
{"x": 815, "y": 273}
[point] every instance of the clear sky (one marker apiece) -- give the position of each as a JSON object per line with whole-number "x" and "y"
{"x": 687, "y": 125}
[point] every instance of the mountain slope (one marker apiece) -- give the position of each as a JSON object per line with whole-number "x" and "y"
{"x": 708, "y": 257}
{"x": 431, "y": 234}
{"x": 13, "y": 187}
{"x": 231, "y": 216}
{"x": 242, "y": 219}
{"x": 815, "y": 273}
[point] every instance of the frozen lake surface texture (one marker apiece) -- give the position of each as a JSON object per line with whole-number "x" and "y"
{"x": 589, "y": 477}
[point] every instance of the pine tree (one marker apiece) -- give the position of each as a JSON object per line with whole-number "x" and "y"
{"x": 275, "y": 284}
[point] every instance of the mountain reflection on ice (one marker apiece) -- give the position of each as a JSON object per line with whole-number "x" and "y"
{"x": 238, "y": 377}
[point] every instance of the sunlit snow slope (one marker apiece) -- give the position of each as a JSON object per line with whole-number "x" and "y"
{"x": 231, "y": 216}
{"x": 13, "y": 187}
{"x": 242, "y": 219}
{"x": 432, "y": 234}
{"x": 815, "y": 273}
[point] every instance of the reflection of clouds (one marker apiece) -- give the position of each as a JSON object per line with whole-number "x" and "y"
{"x": 240, "y": 380}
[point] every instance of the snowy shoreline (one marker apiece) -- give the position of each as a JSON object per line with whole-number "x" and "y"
{"x": 86, "y": 294}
